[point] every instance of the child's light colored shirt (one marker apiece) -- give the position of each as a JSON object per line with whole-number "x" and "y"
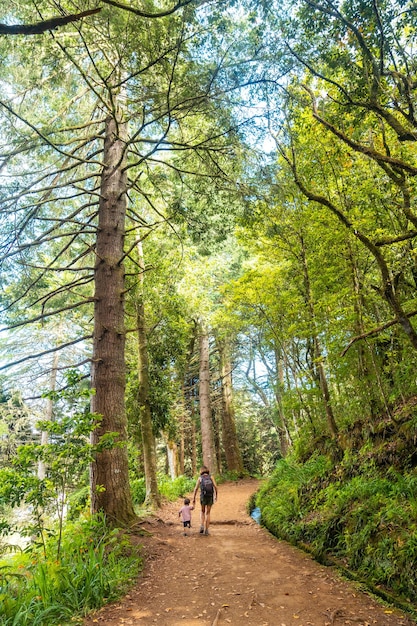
{"x": 185, "y": 512}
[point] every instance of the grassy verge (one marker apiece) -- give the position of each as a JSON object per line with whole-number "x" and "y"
{"x": 365, "y": 521}
{"x": 96, "y": 565}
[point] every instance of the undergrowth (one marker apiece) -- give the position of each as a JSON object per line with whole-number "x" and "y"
{"x": 169, "y": 488}
{"x": 358, "y": 512}
{"x": 96, "y": 565}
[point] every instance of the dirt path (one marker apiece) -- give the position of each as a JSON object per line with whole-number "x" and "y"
{"x": 238, "y": 575}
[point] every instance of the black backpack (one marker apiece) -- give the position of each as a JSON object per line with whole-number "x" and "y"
{"x": 206, "y": 484}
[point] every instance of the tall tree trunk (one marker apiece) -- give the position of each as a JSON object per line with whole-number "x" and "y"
{"x": 110, "y": 491}
{"x": 230, "y": 442}
{"x": 216, "y": 424}
{"x": 276, "y": 381}
{"x": 363, "y": 370}
{"x": 148, "y": 438}
{"x": 293, "y": 381}
{"x": 172, "y": 457}
{"x": 207, "y": 438}
{"x": 318, "y": 356}
{"x": 284, "y": 431}
{"x": 193, "y": 440}
{"x": 49, "y": 413}
{"x": 181, "y": 453}
{"x": 188, "y": 413}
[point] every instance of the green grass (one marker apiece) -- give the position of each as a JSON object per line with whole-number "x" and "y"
{"x": 367, "y": 522}
{"x": 96, "y": 565}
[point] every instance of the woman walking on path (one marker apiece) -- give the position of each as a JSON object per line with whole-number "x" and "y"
{"x": 208, "y": 495}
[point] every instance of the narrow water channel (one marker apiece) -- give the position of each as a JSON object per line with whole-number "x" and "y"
{"x": 256, "y": 514}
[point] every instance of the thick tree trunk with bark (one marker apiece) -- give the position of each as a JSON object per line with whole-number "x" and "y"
{"x": 207, "y": 438}
{"x": 230, "y": 442}
{"x": 193, "y": 441}
{"x": 181, "y": 452}
{"x": 110, "y": 491}
{"x": 148, "y": 438}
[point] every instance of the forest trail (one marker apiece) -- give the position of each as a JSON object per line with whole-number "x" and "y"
{"x": 238, "y": 575}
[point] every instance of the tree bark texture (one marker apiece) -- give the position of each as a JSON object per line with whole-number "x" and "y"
{"x": 110, "y": 491}
{"x": 148, "y": 438}
{"x": 230, "y": 441}
{"x": 207, "y": 438}
{"x": 193, "y": 441}
{"x": 172, "y": 458}
{"x": 181, "y": 452}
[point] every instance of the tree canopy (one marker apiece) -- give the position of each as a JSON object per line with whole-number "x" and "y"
{"x": 231, "y": 183}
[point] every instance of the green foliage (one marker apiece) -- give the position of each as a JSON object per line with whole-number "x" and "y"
{"x": 258, "y": 440}
{"x": 78, "y": 502}
{"x": 96, "y": 565}
{"x": 280, "y": 498}
{"x": 65, "y": 457}
{"x": 230, "y": 476}
{"x": 355, "y": 512}
{"x": 15, "y": 426}
{"x": 169, "y": 488}
{"x": 173, "y": 489}
{"x": 138, "y": 490}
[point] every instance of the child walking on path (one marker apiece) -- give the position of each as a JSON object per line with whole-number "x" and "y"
{"x": 208, "y": 495}
{"x": 185, "y": 514}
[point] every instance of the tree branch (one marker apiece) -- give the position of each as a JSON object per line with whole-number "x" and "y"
{"x": 140, "y": 13}
{"x": 43, "y": 315}
{"x": 375, "y": 331}
{"x": 39, "y": 354}
{"x": 370, "y": 152}
{"x": 41, "y": 27}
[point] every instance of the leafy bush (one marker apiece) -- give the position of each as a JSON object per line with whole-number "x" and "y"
{"x": 138, "y": 490}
